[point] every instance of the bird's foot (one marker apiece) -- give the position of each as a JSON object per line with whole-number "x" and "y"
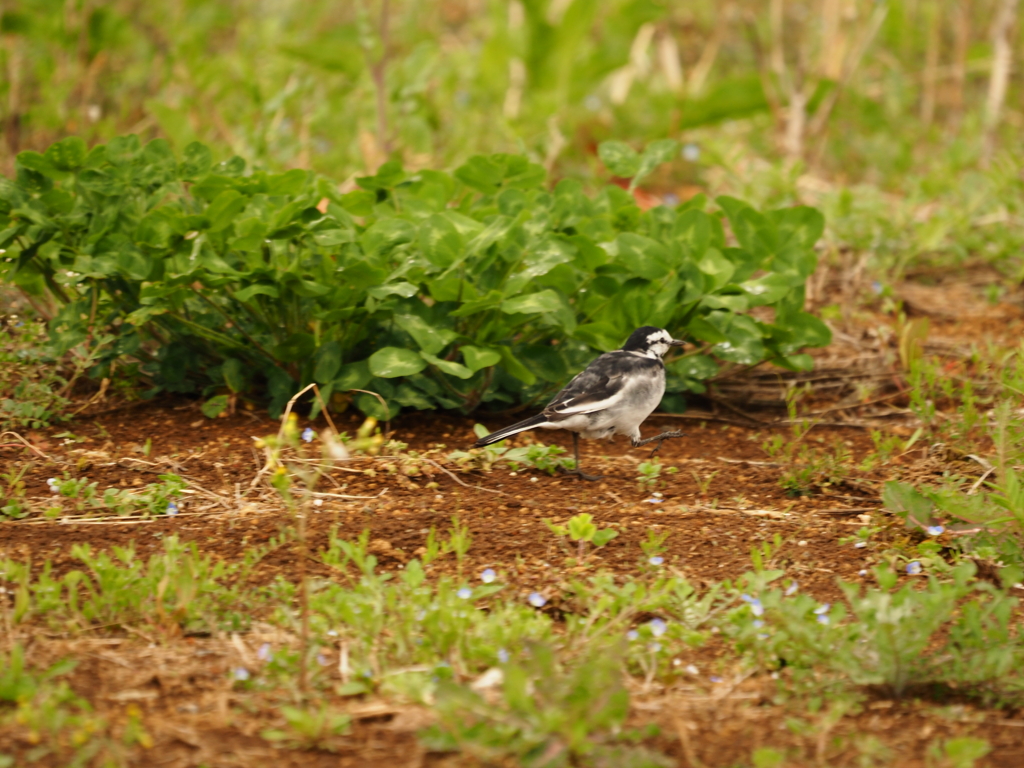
{"x": 580, "y": 474}
{"x": 659, "y": 438}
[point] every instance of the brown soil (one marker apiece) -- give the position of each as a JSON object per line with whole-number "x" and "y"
{"x": 724, "y": 499}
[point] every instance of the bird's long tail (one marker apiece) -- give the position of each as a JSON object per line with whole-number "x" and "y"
{"x": 519, "y": 426}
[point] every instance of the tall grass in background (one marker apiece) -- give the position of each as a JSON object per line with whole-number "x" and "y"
{"x": 858, "y": 89}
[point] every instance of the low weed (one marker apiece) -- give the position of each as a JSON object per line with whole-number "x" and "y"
{"x": 548, "y": 711}
{"x": 582, "y": 530}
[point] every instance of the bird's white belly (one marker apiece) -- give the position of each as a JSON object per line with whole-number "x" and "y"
{"x": 624, "y": 418}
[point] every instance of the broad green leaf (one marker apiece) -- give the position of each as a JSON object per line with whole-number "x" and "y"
{"x": 477, "y": 358}
{"x": 328, "y": 362}
{"x": 196, "y": 161}
{"x": 484, "y": 174}
{"x": 701, "y": 329}
{"x": 694, "y": 367}
{"x": 403, "y": 289}
{"x": 800, "y": 225}
{"x": 473, "y": 306}
{"x": 385, "y": 234}
{"x": 392, "y": 362}
{"x": 743, "y": 342}
{"x": 35, "y": 161}
{"x": 602, "y": 336}
{"x": 245, "y": 294}
{"x": 619, "y": 158}
{"x": 288, "y": 183}
{"x": 514, "y": 367}
{"x": 224, "y": 208}
{"x": 654, "y": 154}
{"x": 430, "y": 338}
{"x": 541, "y": 259}
{"x": 717, "y": 268}
{"x": 642, "y": 256}
{"x": 389, "y": 175}
{"x": 440, "y": 240}
{"x": 770, "y": 288}
{"x": 359, "y": 203}
{"x": 692, "y": 230}
{"x": 353, "y": 376}
{"x": 68, "y": 154}
{"x": 235, "y": 377}
{"x": 215, "y": 406}
{"x": 454, "y": 369}
{"x": 533, "y": 303}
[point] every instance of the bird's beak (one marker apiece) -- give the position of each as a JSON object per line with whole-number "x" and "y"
{"x": 677, "y": 343}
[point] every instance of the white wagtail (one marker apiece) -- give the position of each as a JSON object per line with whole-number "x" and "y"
{"x": 612, "y": 396}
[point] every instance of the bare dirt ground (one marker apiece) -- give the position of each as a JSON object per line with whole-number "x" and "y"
{"x": 724, "y": 499}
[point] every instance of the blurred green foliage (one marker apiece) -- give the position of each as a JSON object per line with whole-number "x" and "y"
{"x": 339, "y": 86}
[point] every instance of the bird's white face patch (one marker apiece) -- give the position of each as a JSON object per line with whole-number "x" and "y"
{"x": 658, "y": 343}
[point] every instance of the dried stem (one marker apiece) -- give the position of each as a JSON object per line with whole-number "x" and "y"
{"x": 1002, "y": 60}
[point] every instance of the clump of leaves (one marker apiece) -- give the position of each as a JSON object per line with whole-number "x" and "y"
{"x": 548, "y": 713}
{"x": 433, "y": 290}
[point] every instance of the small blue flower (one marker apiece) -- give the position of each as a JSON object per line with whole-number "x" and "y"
{"x": 757, "y": 623}
{"x": 537, "y": 600}
{"x": 465, "y": 593}
{"x": 876, "y": 287}
{"x": 172, "y": 508}
{"x": 653, "y": 501}
{"x": 321, "y": 660}
{"x": 934, "y": 530}
{"x": 823, "y": 609}
{"x": 654, "y": 647}
{"x": 656, "y": 560}
{"x": 488, "y": 576}
{"x": 241, "y": 673}
{"x": 658, "y": 627}
{"x": 913, "y": 567}
{"x": 264, "y": 653}
{"x": 862, "y": 573}
{"x": 632, "y": 634}
{"x": 792, "y": 588}
{"x": 823, "y": 619}
{"x": 503, "y": 656}
{"x": 691, "y": 152}
{"x": 715, "y": 679}
{"x": 746, "y": 598}
{"x": 308, "y": 435}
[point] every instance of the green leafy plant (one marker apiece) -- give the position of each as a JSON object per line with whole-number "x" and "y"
{"x": 582, "y": 530}
{"x": 548, "y": 714}
{"x": 649, "y": 473}
{"x": 308, "y": 728}
{"x": 433, "y": 290}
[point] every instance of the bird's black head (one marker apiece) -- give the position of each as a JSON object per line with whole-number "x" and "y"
{"x": 651, "y": 341}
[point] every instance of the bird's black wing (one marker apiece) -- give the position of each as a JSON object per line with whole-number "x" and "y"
{"x": 600, "y": 385}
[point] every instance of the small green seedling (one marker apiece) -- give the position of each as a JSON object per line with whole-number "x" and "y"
{"x": 582, "y": 530}
{"x": 650, "y": 473}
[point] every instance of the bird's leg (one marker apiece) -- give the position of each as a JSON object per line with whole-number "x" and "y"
{"x": 660, "y": 438}
{"x": 576, "y": 454}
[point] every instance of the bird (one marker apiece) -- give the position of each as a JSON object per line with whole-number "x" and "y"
{"x": 611, "y": 396}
